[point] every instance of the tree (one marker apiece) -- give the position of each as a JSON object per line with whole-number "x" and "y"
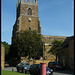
{"x": 27, "y": 43}
{"x": 55, "y": 49}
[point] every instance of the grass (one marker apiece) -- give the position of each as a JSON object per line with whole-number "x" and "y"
{"x": 4, "y": 72}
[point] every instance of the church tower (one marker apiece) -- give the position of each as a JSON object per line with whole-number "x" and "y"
{"x": 26, "y": 17}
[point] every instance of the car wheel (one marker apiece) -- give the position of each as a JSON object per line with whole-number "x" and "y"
{"x": 54, "y": 69}
{"x": 27, "y": 72}
{"x": 52, "y": 73}
{"x": 23, "y": 71}
{"x": 38, "y": 73}
{"x": 31, "y": 74}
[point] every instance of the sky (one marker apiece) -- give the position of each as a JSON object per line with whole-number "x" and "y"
{"x": 56, "y": 18}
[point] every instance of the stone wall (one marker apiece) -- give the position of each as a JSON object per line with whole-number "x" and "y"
{"x": 66, "y": 55}
{"x": 71, "y": 53}
{"x": 47, "y": 42}
{"x": 38, "y": 61}
{"x": 2, "y": 56}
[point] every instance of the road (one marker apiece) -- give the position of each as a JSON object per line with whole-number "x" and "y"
{"x": 63, "y": 73}
{"x": 54, "y": 73}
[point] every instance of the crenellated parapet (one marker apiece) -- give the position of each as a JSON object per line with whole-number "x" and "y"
{"x": 34, "y": 2}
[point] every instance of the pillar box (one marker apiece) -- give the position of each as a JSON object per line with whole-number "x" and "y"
{"x": 43, "y": 69}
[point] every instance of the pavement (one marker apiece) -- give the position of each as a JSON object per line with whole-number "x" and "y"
{"x": 10, "y": 69}
{"x": 63, "y": 72}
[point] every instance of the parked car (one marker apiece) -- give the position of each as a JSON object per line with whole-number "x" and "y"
{"x": 54, "y": 65}
{"x": 35, "y": 70}
{"x": 6, "y": 64}
{"x": 23, "y": 67}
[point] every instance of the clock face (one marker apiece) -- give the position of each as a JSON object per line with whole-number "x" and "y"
{"x": 29, "y": 19}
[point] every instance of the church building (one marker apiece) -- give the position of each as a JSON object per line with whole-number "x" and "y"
{"x": 27, "y": 19}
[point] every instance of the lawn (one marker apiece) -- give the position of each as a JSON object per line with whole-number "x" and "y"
{"x": 3, "y": 72}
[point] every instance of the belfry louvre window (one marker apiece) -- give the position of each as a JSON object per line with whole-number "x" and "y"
{"x": 29, "y": 11}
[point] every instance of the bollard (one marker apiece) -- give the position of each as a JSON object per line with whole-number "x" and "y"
{"x": 43, "y": 69}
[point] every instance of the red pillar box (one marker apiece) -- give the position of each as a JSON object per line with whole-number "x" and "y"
{"x": 43, "y": 69}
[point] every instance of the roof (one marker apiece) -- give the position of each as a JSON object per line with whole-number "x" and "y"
{"x": 66, "y": 42}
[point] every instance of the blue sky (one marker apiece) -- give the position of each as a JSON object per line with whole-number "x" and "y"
{"x": 56, "y": 17}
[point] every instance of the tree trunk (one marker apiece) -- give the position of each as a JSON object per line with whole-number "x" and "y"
{"x": 18, "y": 58}
{"x": 56, "y": 58}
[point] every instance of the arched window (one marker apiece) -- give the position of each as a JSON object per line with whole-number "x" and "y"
{"x": 29, "y": 11}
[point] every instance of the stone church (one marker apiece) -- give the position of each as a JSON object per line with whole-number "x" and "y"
{"x": 27, "y": 19}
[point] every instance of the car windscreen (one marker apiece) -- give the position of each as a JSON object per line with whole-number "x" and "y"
{"x": 56, "y": 63}
{"x": 47, "y": 68}
{"x": 27, "y": 63}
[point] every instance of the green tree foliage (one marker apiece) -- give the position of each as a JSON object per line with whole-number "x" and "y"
{"x": 27, "y": 43}
{"x": 55, "y": 49}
